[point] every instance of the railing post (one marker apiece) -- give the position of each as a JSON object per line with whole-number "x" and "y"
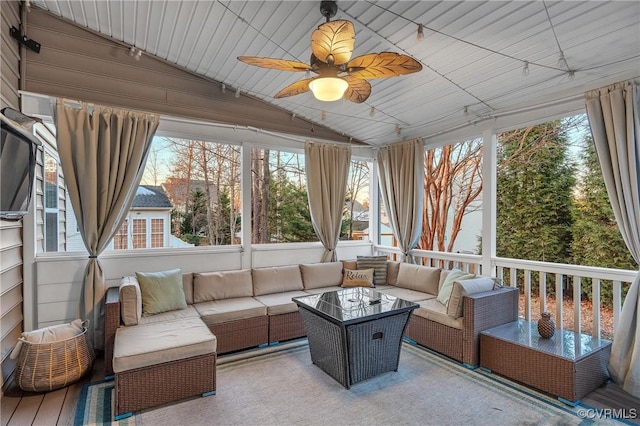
{"x": 577, "y": 304}
{"x": 543, "y": 292}
{"x": 489, "y": 174}
{"x": 559, "y": 302}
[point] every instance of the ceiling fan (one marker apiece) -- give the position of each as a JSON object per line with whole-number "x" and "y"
{"x": 339, "y": 76}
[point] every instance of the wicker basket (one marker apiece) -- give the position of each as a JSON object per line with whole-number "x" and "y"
{"x": 49, "y": 366}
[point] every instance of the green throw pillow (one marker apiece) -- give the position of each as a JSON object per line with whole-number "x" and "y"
{"x": 161, "y": 291}
{"x": 447, "y": 286}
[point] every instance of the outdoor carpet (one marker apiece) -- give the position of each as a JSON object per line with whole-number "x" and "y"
{"x": 280, "y": 386}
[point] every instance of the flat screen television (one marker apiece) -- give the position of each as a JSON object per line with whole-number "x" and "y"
{"x": 18, "y": 148}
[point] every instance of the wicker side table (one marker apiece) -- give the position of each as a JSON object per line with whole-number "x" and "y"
{"x": 568, "y": 365}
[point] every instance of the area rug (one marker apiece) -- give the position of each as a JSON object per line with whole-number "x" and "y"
{"x": 280, "y": 386}
{"x": 95, "y": 405}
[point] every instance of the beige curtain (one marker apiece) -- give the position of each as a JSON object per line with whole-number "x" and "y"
{"x": 103, "y": 152}
{"x": 401, "y": 172}
{"x": 613, "y": 116}
{"x": 327, "y": 167}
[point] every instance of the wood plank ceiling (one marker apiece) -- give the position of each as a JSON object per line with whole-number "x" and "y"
{"x": 473, "y": 53}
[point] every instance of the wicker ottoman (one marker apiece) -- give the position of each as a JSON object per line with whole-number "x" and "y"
{"x": 568, "y": 365}
{"x": 162, "y": 362}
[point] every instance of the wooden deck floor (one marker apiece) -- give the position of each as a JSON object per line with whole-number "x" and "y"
{"x": 59, "y": 407}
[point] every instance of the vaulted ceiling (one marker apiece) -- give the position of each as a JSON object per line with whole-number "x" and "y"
{"x": 473, "y": 55}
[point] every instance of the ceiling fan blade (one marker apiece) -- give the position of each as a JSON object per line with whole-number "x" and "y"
{"x": 358, "y": 90}
{"x": 332, "y": 42}
{"x": 381, "y": 65}
{"x": 297, "y": 88}
{"x": 275, "y": 64}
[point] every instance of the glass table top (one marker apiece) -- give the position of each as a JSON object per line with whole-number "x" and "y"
{"x": 354, "y": 303}
{"x": 564, "y": 343}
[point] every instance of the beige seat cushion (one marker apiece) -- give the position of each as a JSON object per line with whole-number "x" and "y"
{"x": 281, "y": 303}
{"x": 315, "y": 275}
{"x": 218, "y": 311}
{"x": 406, "y": 294}
{"x": 419, "y": 278}
{"x": 150, "y": 344}
{"x": 188, "y": 312}
{"x": 435, "y": 311}
{"x": 222, "y": 285}
{"x": 276, "y": 279}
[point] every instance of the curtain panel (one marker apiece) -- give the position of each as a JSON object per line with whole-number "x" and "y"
{"x": 103, "y": 152}
{"x": 327, "y": 168}
{"x": 401, "y": 178}
{"x": 615, "y": 126}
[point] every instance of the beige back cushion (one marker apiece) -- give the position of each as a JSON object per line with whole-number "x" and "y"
{"x": 187, "y": 284}
{"x": 349, "y": 264}
{"x": 419, "y": 278}
{"x": 463, "y": 288}
{"x": 276, "y": 279}
{"x": 317, "y": 275}
{"x": 392, "y": 272}
{"x": 221, "y": 285}
{"x": 130, "y": 301}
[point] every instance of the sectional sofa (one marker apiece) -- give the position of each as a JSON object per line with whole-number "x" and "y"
{"x": 232, "y": 310}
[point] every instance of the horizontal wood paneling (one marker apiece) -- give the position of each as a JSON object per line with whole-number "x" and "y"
{"x": 10, "y": 64}
{"x": 79, "y": 64}
{"x": 10, "y": 257}
{"x": 10, "y": 278}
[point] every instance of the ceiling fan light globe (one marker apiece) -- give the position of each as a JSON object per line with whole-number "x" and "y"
{"x": 328, "y": 88}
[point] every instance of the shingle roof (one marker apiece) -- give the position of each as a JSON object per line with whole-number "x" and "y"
{"x": 148, "y": 196}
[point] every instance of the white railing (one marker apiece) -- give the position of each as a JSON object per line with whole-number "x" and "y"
{"x": 524, "y": 273}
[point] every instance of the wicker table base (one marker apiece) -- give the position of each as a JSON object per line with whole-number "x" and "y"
{"x": 359, "y": 348}
{"x": 568, "y": 365}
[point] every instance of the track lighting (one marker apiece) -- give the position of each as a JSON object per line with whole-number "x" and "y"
{"x": 420, "y": 35}
{"x": 372, "y": 112}
{"x": 562, "y": 62}
{"x": 525, "y": 69}
{"x": 323, "y": 115}
{"x": 398, "y": 130}
{"x": 571, "y": 74}
{"x": 238, "y": 92}
{"x": 224, "y": 88}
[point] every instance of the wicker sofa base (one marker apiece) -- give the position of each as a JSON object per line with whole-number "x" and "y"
{"x": 159, "y": 384}
{"x": 438, "y": 337}
{"x": 285, "y": 327}
{"x": 241, "y": 334}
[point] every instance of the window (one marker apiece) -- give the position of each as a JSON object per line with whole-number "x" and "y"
{"x": 139, "y": 233}
{"x": 157, "y": 233}
{"x": 280, "y": 209}
{"x": 121, "y": 239}
{"x": 355, "y": 225}
{"x": 50, "y": 202}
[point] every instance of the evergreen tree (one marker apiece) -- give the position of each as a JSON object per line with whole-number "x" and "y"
{"x": 596, "y": 236}
{"x": 289, "y": 217}
{"x": 534, "y": 194}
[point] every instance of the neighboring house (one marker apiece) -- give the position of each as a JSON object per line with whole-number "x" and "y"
{"x": 148, "y": 224}
{"x": 180, "y": 190}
